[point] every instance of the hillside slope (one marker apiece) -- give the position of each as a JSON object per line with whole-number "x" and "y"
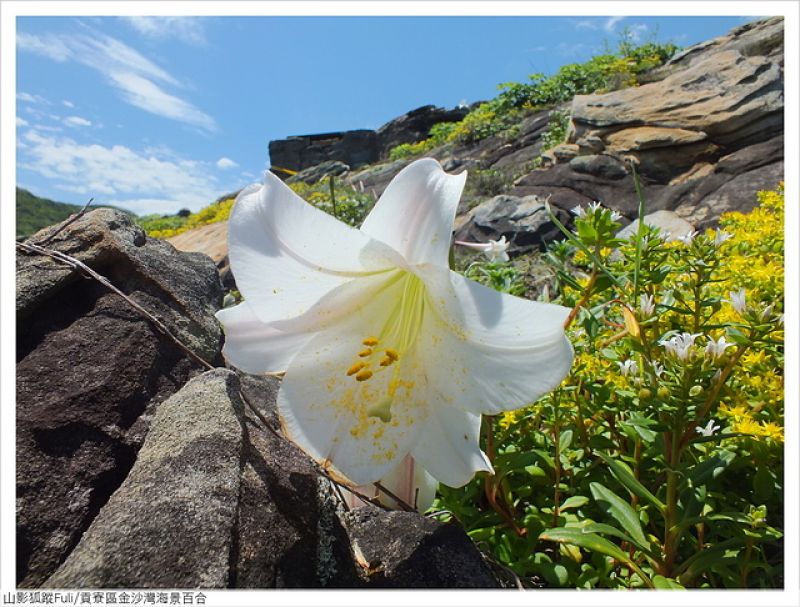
{"x": 35, "y": 213}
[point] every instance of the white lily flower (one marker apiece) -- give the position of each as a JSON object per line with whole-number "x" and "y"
{"x": 716, "y": 348}
{"x": 628, "y": 367}
{"x": 720, "y": 237}
{"x": 647, "y": 305}
{"x": 386, "y": 352}
{"x": 709, "y": 430}
{"x": 495, "y": 250}
{"x": 738, "y": 301}
{"x": 680, "y": 346}
{"x": 688, "y": 238}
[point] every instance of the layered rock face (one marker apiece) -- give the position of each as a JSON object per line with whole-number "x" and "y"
{"x": 359, "y": 147}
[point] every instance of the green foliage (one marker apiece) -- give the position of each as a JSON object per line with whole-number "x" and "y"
{"x": 605, "y": 72}
{"x": 167, "y": 226}
{"x": 35, "y": 213}
{"x": 556, "y": 131}
{"x": 658, "y": 462}
{"x": 352, "y": 205}
{"x": 499, "y": 275}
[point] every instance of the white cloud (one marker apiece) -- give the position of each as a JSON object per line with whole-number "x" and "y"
{"x": 225, "y": 163}
{"x": 68, "y": 104}
{"x": 126, "y": 69}
{"x": 611, "y": 23}
{"x": 28, "y": 98}
{"x": 147, "y": 95}
{"x": 22, "y": 122}
{"x": 142, "y": 181}
{"x": 76, "y": 121}
{"x": 586, "y": 25}
{"x": 185, "y": 29}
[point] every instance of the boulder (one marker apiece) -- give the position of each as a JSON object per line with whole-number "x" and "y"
{"x": 671, "y": 224}
{"x": 523, "y": 221}
{"x": 91, "y": 371}
{"x": 405, "y": 550}
{"x": 353, "y": 148}
{"x": 171, "y": 524}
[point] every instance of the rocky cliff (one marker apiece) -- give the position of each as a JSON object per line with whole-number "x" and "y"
{"x": 705, "y": 131}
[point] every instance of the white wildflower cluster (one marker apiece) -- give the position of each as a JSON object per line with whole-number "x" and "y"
{"x": 680, "y": 346}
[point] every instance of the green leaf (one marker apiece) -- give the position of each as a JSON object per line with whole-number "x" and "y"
{"x": 702, "y": 561}
{"x": 625, "y": 476}
{"x": 565, "y": 440}
{"x": 576, "y": 501}
{"x": 608, "y": 530}
{"x": 709, "y": 469}
{"x": 593, "y": 542}
{"x": 620, "y": 510}
{"x": 663, "y": 583}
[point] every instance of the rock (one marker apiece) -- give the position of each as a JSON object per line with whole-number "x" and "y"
{"x": 415, "y": 125}
{"x": 289, "y": 535}
{"x": 523, "y": 221}
{"x": 564, "y": 152}
{"x": 647, "y": 137}
{"x": 91, "y": 371}
{"x": 600, "y": 165}
{"x": 405, "y": 550}
{"x": 172, "y": 522}
{"x": 667, "y": 221}
{"x": 353, "y": 148}
{"x": 320, "y": 171}
{"x": 211, "y": 240}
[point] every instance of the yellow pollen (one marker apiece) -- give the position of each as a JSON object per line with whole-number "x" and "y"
{"x": 365, "y": 352}
{"x": 364, "y": 375}
{"x": 370, "y": 341}
{"x": 392, "y": 354}
{"x": 385, "y": 362}
{"x": 356, "y": 368}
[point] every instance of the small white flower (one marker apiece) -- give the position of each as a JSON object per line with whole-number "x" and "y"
{"x": 494, "y": 249}
{"x": 709, "y": 430}
{"x": 595, "y": 206}
{"x": 688, "y": 238}
{"x": 628, "y": 367}
{"x": 737, "y": 300}
{"x": 578, "y": 211}
{"x": 716, "y": 348}
{"x": 721, "y": 237}
{"x": 680, "y": 346}
{"x": 658, "y": 369}
{"x": 615, "y": 216}
{"x": 646, "y": 305}
{"x": 766, "y": 313}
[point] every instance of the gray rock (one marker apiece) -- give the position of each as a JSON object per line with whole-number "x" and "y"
{"x": 353, "y": 148}
{"x": 600, "y": 165}
{"x": 172, "y": 522}
{"x": 667, "y": 221}
{"x": 405, "y": 550}
{"x": 91, "y": 371}
{"x": 523, "y": 221}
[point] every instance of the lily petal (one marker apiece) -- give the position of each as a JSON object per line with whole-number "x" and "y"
{"x": 361, "y": 424}
{"x": 448, "y": 446}
{"x": 410, "y": 482}
{"x": 415, "y": 214}
{"x": 286, "y": 254}
{"x": 491, "y": 351}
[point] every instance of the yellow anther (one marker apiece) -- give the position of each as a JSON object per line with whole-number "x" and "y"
{"x": 356, "y": 368}
{"x": 370, "y": 341}
{"x": 392, "y": 354}
{"x": 386, "y": 361}
{"x": 365, "y": 352}
{"x": 364, "y": 375}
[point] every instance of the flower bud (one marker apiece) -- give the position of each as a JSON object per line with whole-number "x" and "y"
{"x": 695, "y": 390}
{"x": 663, "y": 393}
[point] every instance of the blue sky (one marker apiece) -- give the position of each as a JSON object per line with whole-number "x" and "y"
{"x": 155, "y": 114}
